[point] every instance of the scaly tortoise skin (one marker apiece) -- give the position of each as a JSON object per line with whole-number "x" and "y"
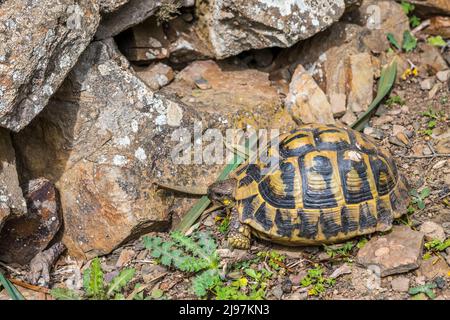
{"x": 331, "y": 184}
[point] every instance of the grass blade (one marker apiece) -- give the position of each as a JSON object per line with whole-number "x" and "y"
{"x": 10, "y": 288}
{"x": 195, "y": 212}
{"x": 387, "y": 80}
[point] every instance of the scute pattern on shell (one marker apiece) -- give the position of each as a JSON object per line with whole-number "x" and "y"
{"x": 331, "y": 184}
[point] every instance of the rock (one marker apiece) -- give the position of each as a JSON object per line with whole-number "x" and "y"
{"x": 440, "y": 282}
{"x": 430, "y": 59}
{"x": 446, "y": 226}
{"x": 306, "y": 101}
{"x": 177, "y": 39}
{"x": 427, "y": 84}
{"x": 398, "y": 252}
{"x": 380, "y": 18}
{"x": 439, "y": 26}
{"x": 277, "y": 291}
{"x": 361, "y": 82}
{"x": 12, "y": 201}
{"x": 443, "y": 144}
{"x": 107, "y": 6}
{"x": 338, "y": 104}
{"x": 286, "y": 285}
{"x": 231, "y": 27}
{"x": 254, "y": 102}
{"x": 24, "y": 237}
{"x": 396, "y": 129}
{"x": 126, "y": 255}
{"x": 403, "y": 138}
{"x": 374, "y": 132}
{"x": 433, "y": 267}
{"x": 301, "y": 295}
{"x": 39, "y": 43}
{"x": 156, "y": 76}
{"x": 342, "y": 270}
{"x": 443, "y": 76}
{"x": 348, "y": 118}
{"x": 432, "y": 231}
{"x": 384, "y": 119}
{"x": 432, "y": 6}
{"x": 100, "y": 130}
{"x": 127, "y": 16}
{"x": 400, "y": 284}
{"x": 448, "y": 259}
{"x": 434, "y": 90}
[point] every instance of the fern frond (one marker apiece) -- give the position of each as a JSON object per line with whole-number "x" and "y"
{"x": 205, "y": 281}
{"x": 191, "y": 246}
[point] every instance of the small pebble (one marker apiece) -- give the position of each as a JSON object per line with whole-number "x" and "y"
{"x": 440, "y": 282}
{"x": 427, "y": 84}
{"x": 286, "y": 286}
{"x": 443, "y": 76}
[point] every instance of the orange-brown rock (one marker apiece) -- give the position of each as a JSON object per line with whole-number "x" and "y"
{"x": 306, "y": 101}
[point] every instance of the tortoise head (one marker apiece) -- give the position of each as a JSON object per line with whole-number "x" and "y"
{"x": 223, "y": 192}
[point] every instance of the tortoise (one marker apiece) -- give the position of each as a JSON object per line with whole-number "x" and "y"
{"x": 331, "y": 184}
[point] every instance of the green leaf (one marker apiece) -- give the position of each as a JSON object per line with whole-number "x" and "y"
{"x": 393, "y": 41}
{"x": 121, "y": 280}
{"x": 425, "y": 193}
{"x": 427, "y": 289}
{"x": 93, "y": 282}
{"x": 205, "y": 281}
{"x": 409, "y": 41}
{"x": 414, "y": 21}
{"x": 157, "y": 293}
{"x": 407, "y": 7}
{"x": 437, "y": 41}
{"x": 385, "y": 84}
{"x": 10, "y": 288}
{"x": 421, "y": 205}
{"x": 64, "y": 294}
{"x": 252, "y": 273}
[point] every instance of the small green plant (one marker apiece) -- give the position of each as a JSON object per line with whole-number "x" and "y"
{"x": 435, "y": 246}
{"x": 224, "y": 225}
{"x": 343, "y": 251}
{"x": 444, "y": 100}
{"x": 252, "y": 286}
{"x": 433, "y": 118}
{"x": 193, "y": 254}
{"x": 395, "y": 100}
{"x": 316, "y": 281}
{"x": 361, "y": 243}
{"x": 437, "y": 41}
{"x": 408, "y": 9}
{"x": 426, "y": 289}
{"x": 273, "y": 258}
{"x": 95, "y": 287}
{"x": 409, "y": 42}
{"x": 417, "y": 199}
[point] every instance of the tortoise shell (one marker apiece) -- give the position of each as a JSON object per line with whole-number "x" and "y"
{"x": 331, "y": 184}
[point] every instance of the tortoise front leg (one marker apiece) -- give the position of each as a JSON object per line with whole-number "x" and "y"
{"x": 239, "y": 234}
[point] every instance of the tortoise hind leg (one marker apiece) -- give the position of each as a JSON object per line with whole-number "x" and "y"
{"x": 239, "y": 234}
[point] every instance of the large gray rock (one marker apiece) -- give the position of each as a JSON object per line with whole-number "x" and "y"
{"x": 40, "y": 41}
{"x": 233, "y": 26}
{"x": 11, "y": 197}
{"x": 127, "y": 13}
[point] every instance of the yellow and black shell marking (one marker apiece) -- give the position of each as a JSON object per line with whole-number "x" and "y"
{"x": 331, "y": 184}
